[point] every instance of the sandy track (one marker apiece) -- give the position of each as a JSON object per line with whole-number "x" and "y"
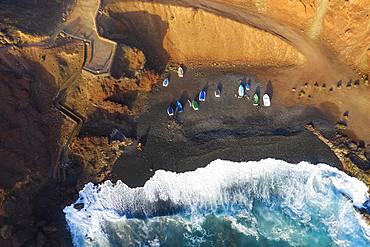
{"x": 317, "y": 58}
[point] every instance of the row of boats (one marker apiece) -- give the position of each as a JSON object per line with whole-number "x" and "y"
{"x": 243, "y": 91}
{"x": 194, "y": 104}
{"x": 245, "y": 88}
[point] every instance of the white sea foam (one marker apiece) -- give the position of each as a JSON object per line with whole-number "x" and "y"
{"x": 310, "y": 195}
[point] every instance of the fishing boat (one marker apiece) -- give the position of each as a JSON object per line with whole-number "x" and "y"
{"x": 190, "y": 103}
{"x": 180, "y": 72}
{"x": 241, "y": 91}
{"x": 170, "y": 111}
{"x": 248, "y": 86}
{"x": 195, "y": 105}
{"x": 179, "y": 107}
{"x": 217, "y": 93}
{"x": 256, "y": 99}
{"x": 266, "y": 100}
{"x": 166, "y": 81}
{"x": 202, "y": 95}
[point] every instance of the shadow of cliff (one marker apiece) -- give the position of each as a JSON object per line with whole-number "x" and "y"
{"x": 39, "y": 17}
{"x": 141, "y": 30}
{"x": 29, "y": 144}
{"x": 127, "y": 98}
{"x": 30, "y": 127}
{"x": 101, "y": 123}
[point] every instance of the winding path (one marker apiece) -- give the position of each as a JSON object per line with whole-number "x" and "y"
{"x": 78, "y": 119}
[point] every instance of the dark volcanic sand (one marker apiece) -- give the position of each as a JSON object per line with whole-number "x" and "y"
{"x": 223, "y": 128}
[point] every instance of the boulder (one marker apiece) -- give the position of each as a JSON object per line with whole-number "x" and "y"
{"x": 6, "y": 231}
{"x": 128, "y": 62}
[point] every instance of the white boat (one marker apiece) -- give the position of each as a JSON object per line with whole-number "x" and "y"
{"x": 266, "y": 100}
{"x": 166, "y": 81}
{"x": 180, "y": 72}
{"x": 189, "y": 101}
{"x": 241, "y": 91}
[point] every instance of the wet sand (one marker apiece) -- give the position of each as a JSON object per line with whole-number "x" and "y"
{"x": 224, "y": 128}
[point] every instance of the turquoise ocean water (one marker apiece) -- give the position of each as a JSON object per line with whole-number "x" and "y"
{"x": 264, "y": 203}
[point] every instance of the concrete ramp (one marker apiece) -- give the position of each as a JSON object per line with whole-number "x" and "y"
{"x": 82, "y": 25}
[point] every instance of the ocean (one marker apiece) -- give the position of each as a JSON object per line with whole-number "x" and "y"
{"x": 264, "y": 203}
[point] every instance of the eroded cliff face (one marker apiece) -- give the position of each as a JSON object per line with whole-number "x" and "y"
{"x": 341, "y": 26}
{"x": 185, "y": 34}
{"x": 205, "y": 31}
{"x": 346, "y": 31}
{"x": 30, "y": 78}
{"x": 34, "y": 131}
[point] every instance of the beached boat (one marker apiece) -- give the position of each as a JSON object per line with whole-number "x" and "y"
{"x": 241, "y": 91}
{"x": 256, "y": 99}
{"x": 179, "y": 107}
{"x": 180, "y": 72}
{"x": 190, "y": 102}
{"x": 266, "y": 100}
{"x": 166, "y": 81}
{"x": 170, "y": 111}
{"x": 195, "y": 105}
{"x": 217, "y": 93}
{"x": 202, "y": 95}
{"x": 248, "y": 86}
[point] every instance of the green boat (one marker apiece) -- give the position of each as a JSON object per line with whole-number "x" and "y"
{"x": 195, "y": 105}
{"x": 256, "y": 99}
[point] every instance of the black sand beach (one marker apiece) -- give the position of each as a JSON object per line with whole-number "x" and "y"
{"x": 224, "y": 128}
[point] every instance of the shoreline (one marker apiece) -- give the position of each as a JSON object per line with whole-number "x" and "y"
{"x": 224, "y": 128}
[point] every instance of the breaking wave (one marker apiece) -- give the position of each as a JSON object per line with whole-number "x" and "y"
{"x": 269, "y": 203}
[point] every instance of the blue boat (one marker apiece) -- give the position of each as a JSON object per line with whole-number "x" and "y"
{"x": 241, "y": 91}
{"x": 166, "y": 82}
{"x": 179, "y": 107}
{"x": 202, "y": 95}
{"x": 170, "y": 111}
{"x": 248, "y": 86}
